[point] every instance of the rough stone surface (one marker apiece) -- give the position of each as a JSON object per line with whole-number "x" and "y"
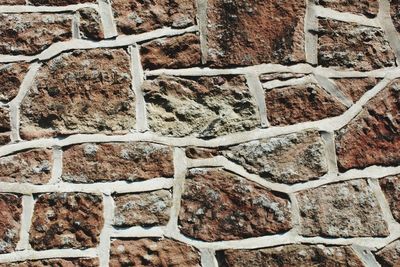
{"x": 368, "y": 8}
{"x": 391, "y": 188}
{"x": 395, "y": 13}
{"x": 32, "y": 166}
{"x": 373, "y": 137}
{"x": 66, "y": 220}
{"x": 352, "y": 46}
{"x": 90, "y": 24}
{"x": 291, "y": 255}
{"x": 59, "y": 2}
{"x": 292, "y": 158}
{"x": 172, "y": 52}
{"x": 145, "y": 209}
{"x": 31, "y": 33}
{"x": 94, "y": 96}
{"x": 5, "y": 126}
{"x": 136, "y": 16}
{"x": 201, "y": 106}
{"x": 254, "y": 32}
{"x": 10, "y": 221}
{"x": 347, "y": 209}
{"x": 219, "y": 205}
{"x": 355, "y": 88}
{"x": 153, "y": 252}
{"x": 11, "y": 76}
{"x": 68, "y": 262}
{"x": 88, "y": 163}
{"x": 300, "y": 103}
{"x": 200, "y": 152}
{"x": 12, "y": 2}
{"x": 389, "y": 256}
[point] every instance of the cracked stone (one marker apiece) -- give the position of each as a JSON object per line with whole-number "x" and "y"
{"x": 389, "y": 256}
{"x": 10, "y": 221}
{"x": 391, "y": 188}
{"x": 90, "y": 24}
{"x": 67, "y": 262}
{"x": 11, "y": 77}
{"x": 355, "y": 88}
{"x": 368, "y": 8}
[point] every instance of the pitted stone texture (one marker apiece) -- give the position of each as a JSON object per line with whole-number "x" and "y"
{"x": 32, "y": 166}
{"x": 289, "y": 159}
{"x": 373, "y": 137}
{"x": 144, "y": 209}
{"x": 389, "y": 256}
{"x": 59, "y": 2}
{"x": 172, "y": 52}
{"x": 200, "y": 106}
{"x": 10, "y": 221}
{"x": 368, "y": 8}
{"x": 391, "y": 188}
{"x": 66, "y": 220}
{"x": 67, "y": 262}
{"x": 347, "y": 209}
{"x": 395, "y": 13}
{"x": 90, "y": 24}
{"x": 300, "y": 103}
{"x": 30, "y": 33}
{"x": 219, "y": 205}
{"x": 137, "y": 16}
{"x": 88, "y": 163}
{"x": 153, "y": 252}
{"x": 345, "y": 45}
{"x": 355, "y": 88}
{"x": 12, "y": 2}
{"x": 5, "y": 126}
{"x": 254, "y": 32}
{"x": 84, "y": 91}
{"x": 11, "y": 77}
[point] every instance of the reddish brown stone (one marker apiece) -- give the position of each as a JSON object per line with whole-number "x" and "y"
{"x": 89, "y": 163}
{"x": 355, "y": 88}
{"x": 90, "y": 24}
{"x": 59, "y": 2}
{"x": 5, "y": 138}
{"x": 30, "y": 33}
{"x": 147, "y": 252}
{"x": 173, "y": 52}
{"x": 352, "y": 46}
{"x": 32, "y": 166}
{"x": 67, "y": 262}
{"x": 10, "y": 221}
{"x": 395, "y": 13}
{"x": 4, "y": 120}
{"x": 300, "y": 103}
{"x": 84, "y": 91}
{"x": 368, "y": 8}
{"x": 347, "y": 209}
{"x": 201, "y": 153}
{"x": 219, "y": 205}
{"x": 373, "y": 137}
{"x": 292, "y": 255}
{"x": 391, "y": 188}
{"x": 389, "y": 256}
{"x": 11, "y": 76}
{"x": 253, "y": 32}
{"x": 66, "y": 220}
{"x": 12, "y": 2}
{"x": 136, "y": 16}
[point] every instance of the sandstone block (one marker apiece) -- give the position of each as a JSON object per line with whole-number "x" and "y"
{"x": 90, "y": 26}
{"x": 10, "y": 221}
{"x": 368, "y": 8}
{"x": 5, "y": 126}
{"x": 355, "y": 88}
{"x": 391, "y": 188}
{"x": 389, "y": 256}
{"x": 11, "y": 76}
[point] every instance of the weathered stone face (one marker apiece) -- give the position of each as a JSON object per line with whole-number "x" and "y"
{"x": 135, "y": 16}
{"x": 218, "y": 205}
{"x": 347, "y": 209}
{"x": 94, "y": 96}
{"x": 292, "y": 255}
{"x": 5, "y": 126}
{"x": 373, "y": 137}
{"x": 31, "y": 33}
{"x": 88, "y": 163}
{"x": 11, "y": 76}
{"x": 391, "y": 188}
{"x": 90, "y": 24}
{"x": 368, "y": 8}
{"x": 205, "y": 106}
{"x": 254, "y": 32}
{"x": 10, "y": 221}
{"x": 144, "y": 209}
{"x": 59, "y": 2}
{"x": 172, "y": 52}
{"x": 66, "y": 220}
{"x": 355, "y": 88}
{"x": 395, "y": 14}
{"x": 32, "y": 166}
{"x": 153, "y": 252}
{"x": 68, "y": 262}
{"x": 390, "y": 255}
{"x": 352, "y": 46}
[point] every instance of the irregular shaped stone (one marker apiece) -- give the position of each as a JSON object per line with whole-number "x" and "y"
{"x": 30, "y": 33}
{"x": 5, "y": 138}
{"x": 84, "y": 91}
{"x": 373, "y": 137}
{"x": 368, "y": 8}
{"x": 66, "y": 220}
{"x": 345, "y": 45}
{"x": 90, "y": 26}
{"x": 11, "y": 76}
{"x": 300, "y": 103}
{"x": 10, "y": 221}
{"x": 88, "y": 163}
{"x": 292, "y": 255}
{"x": 200, "y": 152}
{"x": 136, "y": 16}
{"x": 395, "y": 13}
{"x": 67, "y": 262}
{"x": 355, "y": 88}
{"x": 391, "y": 187}
{"x": 389, "y": 256}
{"x": 144, "y": 209}
{"x": 200, "y": 106}
{"x": 253, "y": 32}
{"x": 32, "y": 166}
{"x": 292, "y": 158}
{"x": 173, "y": 52}
{"x": 347, "y": 209}
{"x": 281, "y": 76}
{"x": 12, "y": 2}
{"x": 219, "y": 205}
{"x": 5, "y": 126}
{"x": 59, "y": 2}
{"x": 153, "y": 252}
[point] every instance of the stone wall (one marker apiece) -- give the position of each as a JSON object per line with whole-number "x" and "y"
{"x": 199, "y": 133}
